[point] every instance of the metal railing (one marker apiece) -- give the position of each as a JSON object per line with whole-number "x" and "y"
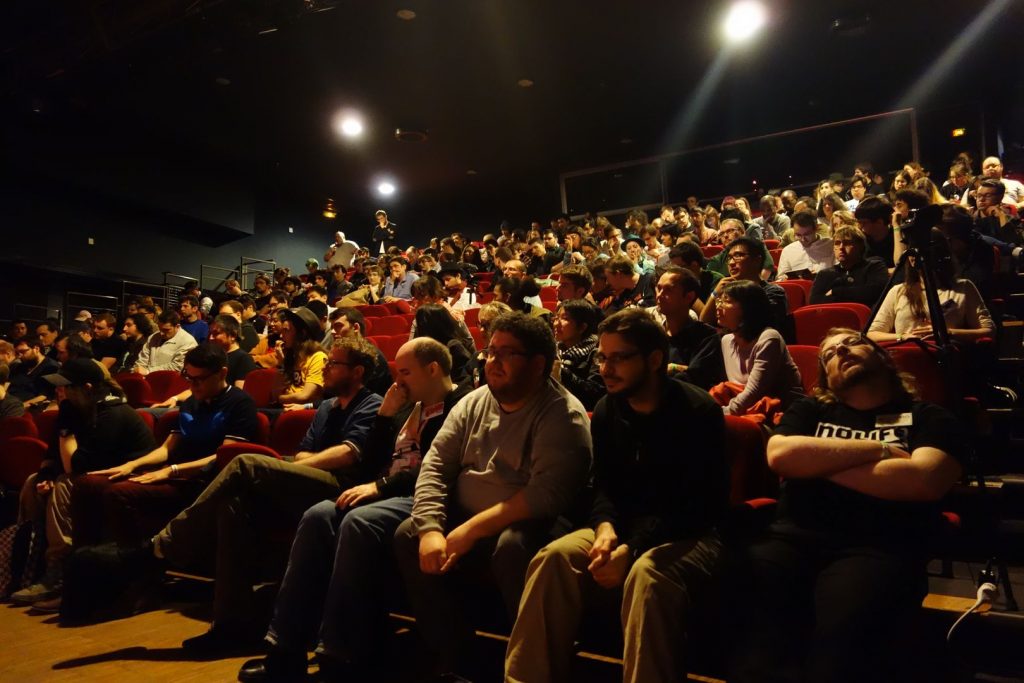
{"x": 94, "y": 303}
{"x": 250, "y": 267}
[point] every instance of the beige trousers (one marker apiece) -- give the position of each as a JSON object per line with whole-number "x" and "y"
{"x": 52, "y": 511}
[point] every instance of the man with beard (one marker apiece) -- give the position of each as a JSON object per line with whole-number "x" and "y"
{"x": 836, "y": 582}
{"x": 27, "y": 383}
{"x": 653, "y": 552}
{"x": 219, "y": 522}
{"x": 509, "y": 460}
{"x": 854, "y": 278}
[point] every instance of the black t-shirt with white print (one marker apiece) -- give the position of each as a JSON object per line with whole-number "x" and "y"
{"x": 821, "y": 506}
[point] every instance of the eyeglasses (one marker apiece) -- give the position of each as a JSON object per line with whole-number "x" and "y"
{"x": 616, "y": 358}
{"x": 196, "y": 379}
{"x": 332, "y": 363}
{"x": 503, "y": 355}
{"x": 847, "y": 342}
{"x": 737, "y": 255}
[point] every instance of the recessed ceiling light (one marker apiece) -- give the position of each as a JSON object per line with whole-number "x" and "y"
{"x": 386, "y": 188}
{"x": 351, "y": 127}
{"x": 220, "y": 80}
{"x": 524, "y": 83}
{"x": 745, "y": 18}
{"x": 405, "y": 14}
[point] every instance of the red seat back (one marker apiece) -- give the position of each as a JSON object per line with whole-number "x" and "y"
{"x": 711, "y": 250}
{"x": 772, "y": 244}
{"x": 136, "y": 390}
{"x": 861, "y": 310}
{"x": 262, "y": 429}
{"x": 806, "y": 358}
{"x": 749, "y": 474}
{"x": 289, "y": 429}
{"x": 165, "y": 383}
{"x": 472, "y": 317}
{"x": 373, "y": 310}
{"x": 229, "y": 451}
{"x": 46, "y": 423}
{"x": 11, "y": 427}
{"x": 776, "y": 254}
{"x": 148, "y": 419}
{"x": 923, "y": 365}
{"x": 261, "y": 385}
{"x": 164, "y": 425}
{"x": 813, "y": 322}
{"x": 400, "y": 307}
{"x": 22, "y": 456}
{"x": 387, "y": 326}
{"x": 548, "y": 294}
{"x": 796, "y": 297}
{"x": 478, "y": 337}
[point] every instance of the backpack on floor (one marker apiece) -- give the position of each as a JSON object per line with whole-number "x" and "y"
{"x": 20, "y": 557}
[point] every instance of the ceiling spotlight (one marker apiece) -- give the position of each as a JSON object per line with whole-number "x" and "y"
{"x": 351, "y": 127}
{"x": 329, "y": 210}
{"x": 405, "y": 14}
{"x": 385, "y": 188}
{"x": 744, "y": 20}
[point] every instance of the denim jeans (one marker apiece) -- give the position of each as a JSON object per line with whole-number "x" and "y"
{"x": 334, "y": 588}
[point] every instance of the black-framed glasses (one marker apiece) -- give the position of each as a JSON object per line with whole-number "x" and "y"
{"x": 737, "y": 255}
{"x": 332, "y": 363}
{"x": 503, "y": 354}
{"x": 616, "y": 358}
{"x": 196, "y": 379}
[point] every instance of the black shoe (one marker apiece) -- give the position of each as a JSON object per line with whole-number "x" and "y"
{"x": 222, "y": 640}
{"x": 277, "y": 667}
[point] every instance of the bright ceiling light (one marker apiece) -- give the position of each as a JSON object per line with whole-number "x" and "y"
{"x": 744, "y": 20}
{"x": 386, "y": 188}
{"x": 350, "y": 126}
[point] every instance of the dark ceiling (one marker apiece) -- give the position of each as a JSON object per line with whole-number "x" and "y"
{"x": 176, "y": 84}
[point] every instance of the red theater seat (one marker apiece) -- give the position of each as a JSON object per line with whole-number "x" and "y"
{"x": 261, "y": 385}
{"x": 165, "y": 383}
{"x": 21, "y": 457}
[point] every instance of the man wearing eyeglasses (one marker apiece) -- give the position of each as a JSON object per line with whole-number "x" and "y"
{"x": 744, "y": 263}
{"x": 509, "y": 460}
{"x": 809, "y": 253}
{"x": 834, "y": 585}
{"x": 650, "y": 544}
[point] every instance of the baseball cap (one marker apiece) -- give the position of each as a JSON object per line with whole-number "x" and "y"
{"x": 76, "y": 372}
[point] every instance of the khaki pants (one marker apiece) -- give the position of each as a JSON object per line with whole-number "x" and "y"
{"x": 656, "y": 601}
{"x": 51, "y": 512}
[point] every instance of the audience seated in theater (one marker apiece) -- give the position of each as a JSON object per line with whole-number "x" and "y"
{"x": 629, "y": 288}
{"x": 349, "y": 322}
{"x": 973, "y": 258}
{"x": 1013, "y": 195}
{"x": 27, "y": 383}
{"x": 188, "y": 310}
{"x": 224, "y": 331}
{"x": 10, "y": 406}
{"x": 399, "y": 283}
{"x": 651, "y": 540}
{"x": 994, "y": 222}
{"x": 733, "y": 229}
{"x": 265, "y": 353}
{"x": 489, "y": 312}
{"x": 131, "y": 501}
{"x": 300, "y": 358}
{"x": 70, "y": 346}
{"x": 97, "y": 429}
{"x": 904, "y": 313}
{"x": 575, "y": 282}
{"x": 331, "y": 593}
{"x": 222, "y": 520}
{"x": 107, "y": 346}
{"x": 435, "y": 322}
{"x": 428, "y": 290}
{"x": 261, "y": 292}
{"x": 854, "y": 278}
{"x": 575, "y": 327}
{"x": 863, "y": 466}
{"x": 509, "y": 460}
{"x": 248, "y": 337}
{"x": 136, "y": 331}
{"x": 750, "y": 362}
{"x": 688, "y": 255}
{"x": 166, "y": 348}
{"x": 809, "y": 253}
{"x": 858, "y": 190}
{"x": 369, "y": 292}
{"x": 745, "y": 264}
{"x": 676, "y": 295}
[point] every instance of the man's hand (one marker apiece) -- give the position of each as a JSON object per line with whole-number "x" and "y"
{"x": 612, "y": 573}
{"x": 433, "y": 552}
{"x": 302, "y": 455}
{"x": 722, "y": 283}
{"x": 395, "y": 398}
{"x": 154, "y": 477}
{"x": 44, "y": 487}
{"x": 460, "y": 541}
{"x": 116, "y": 473}
{"x": 358, "y": 494}
{"x": 288, "y": 407}
{"x": 169, "y": 403}
{"x": 605, "y": 541}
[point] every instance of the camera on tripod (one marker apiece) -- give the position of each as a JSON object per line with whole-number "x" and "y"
{"x": 916, "y": 231}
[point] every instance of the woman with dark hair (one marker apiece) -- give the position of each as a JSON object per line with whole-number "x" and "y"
{"x": 749, "y": 365}
{"x": 301, "y": 357}
{"x": 828, "y": 205}
{"x": 575, "y": 326}
{"x": 137, "y": 329}
{"x": 471, "y": 255}
{"x": 904, "y": 312}
{"x": 434, "y": 321}
{"x": 514, "y": 292}
{"x": 900, "y": 181}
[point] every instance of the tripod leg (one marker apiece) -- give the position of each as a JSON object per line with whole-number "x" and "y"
{"x": 1004, "y": 579}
